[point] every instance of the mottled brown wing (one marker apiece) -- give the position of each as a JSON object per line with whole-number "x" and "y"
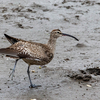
{"x": 25, "y": 50}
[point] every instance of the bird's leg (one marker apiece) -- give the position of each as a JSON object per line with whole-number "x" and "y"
{"x": 12, "y": 73}
{"x": 31, "y": 85}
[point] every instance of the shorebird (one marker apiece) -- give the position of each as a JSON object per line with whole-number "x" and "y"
{"x": 31, "y": 52}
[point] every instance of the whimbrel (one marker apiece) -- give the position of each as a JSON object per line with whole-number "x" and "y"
{"x": 31, "y": 52}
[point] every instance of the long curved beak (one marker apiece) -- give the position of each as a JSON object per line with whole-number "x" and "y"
{"x": 70, "y": 36}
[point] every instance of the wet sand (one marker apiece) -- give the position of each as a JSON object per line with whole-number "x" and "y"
{"x": 74, "y": 72}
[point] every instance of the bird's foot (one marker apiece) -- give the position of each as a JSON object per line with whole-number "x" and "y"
{"x": 34, "y": 86}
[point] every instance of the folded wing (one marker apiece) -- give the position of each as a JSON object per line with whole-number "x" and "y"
{"x": 25, "y": 50}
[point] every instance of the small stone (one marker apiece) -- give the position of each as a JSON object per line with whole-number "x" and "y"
{"x": 88, "y": 85}
{"x": 80, "y": 86}
{"x": 33, "y": 99}
{"x": 67, "y": 59}
{"x": 33, "y": 71}
{"x": 40, "y": 67}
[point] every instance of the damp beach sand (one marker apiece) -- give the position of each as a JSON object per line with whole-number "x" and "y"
{"x": 74, "y": 72}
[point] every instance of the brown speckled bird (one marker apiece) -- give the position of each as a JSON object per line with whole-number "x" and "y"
{"x": 31, "y": 52}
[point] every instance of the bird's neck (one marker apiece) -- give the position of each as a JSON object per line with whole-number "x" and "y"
{"x": 52, "y": 43}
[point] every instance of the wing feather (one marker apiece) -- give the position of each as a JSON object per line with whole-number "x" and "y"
{"x": 25, "y": 49}
{"x": 12, "y": 40}
{"x": 8, "y": 51}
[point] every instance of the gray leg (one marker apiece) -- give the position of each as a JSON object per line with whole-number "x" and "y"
{"x": 31, "y": 85}
{"x": 12, "y": 73}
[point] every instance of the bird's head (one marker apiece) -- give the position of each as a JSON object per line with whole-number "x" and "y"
{"x": 57, "y": 33}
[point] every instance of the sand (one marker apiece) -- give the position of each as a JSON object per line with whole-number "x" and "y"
{"x": 74, "y": 72}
